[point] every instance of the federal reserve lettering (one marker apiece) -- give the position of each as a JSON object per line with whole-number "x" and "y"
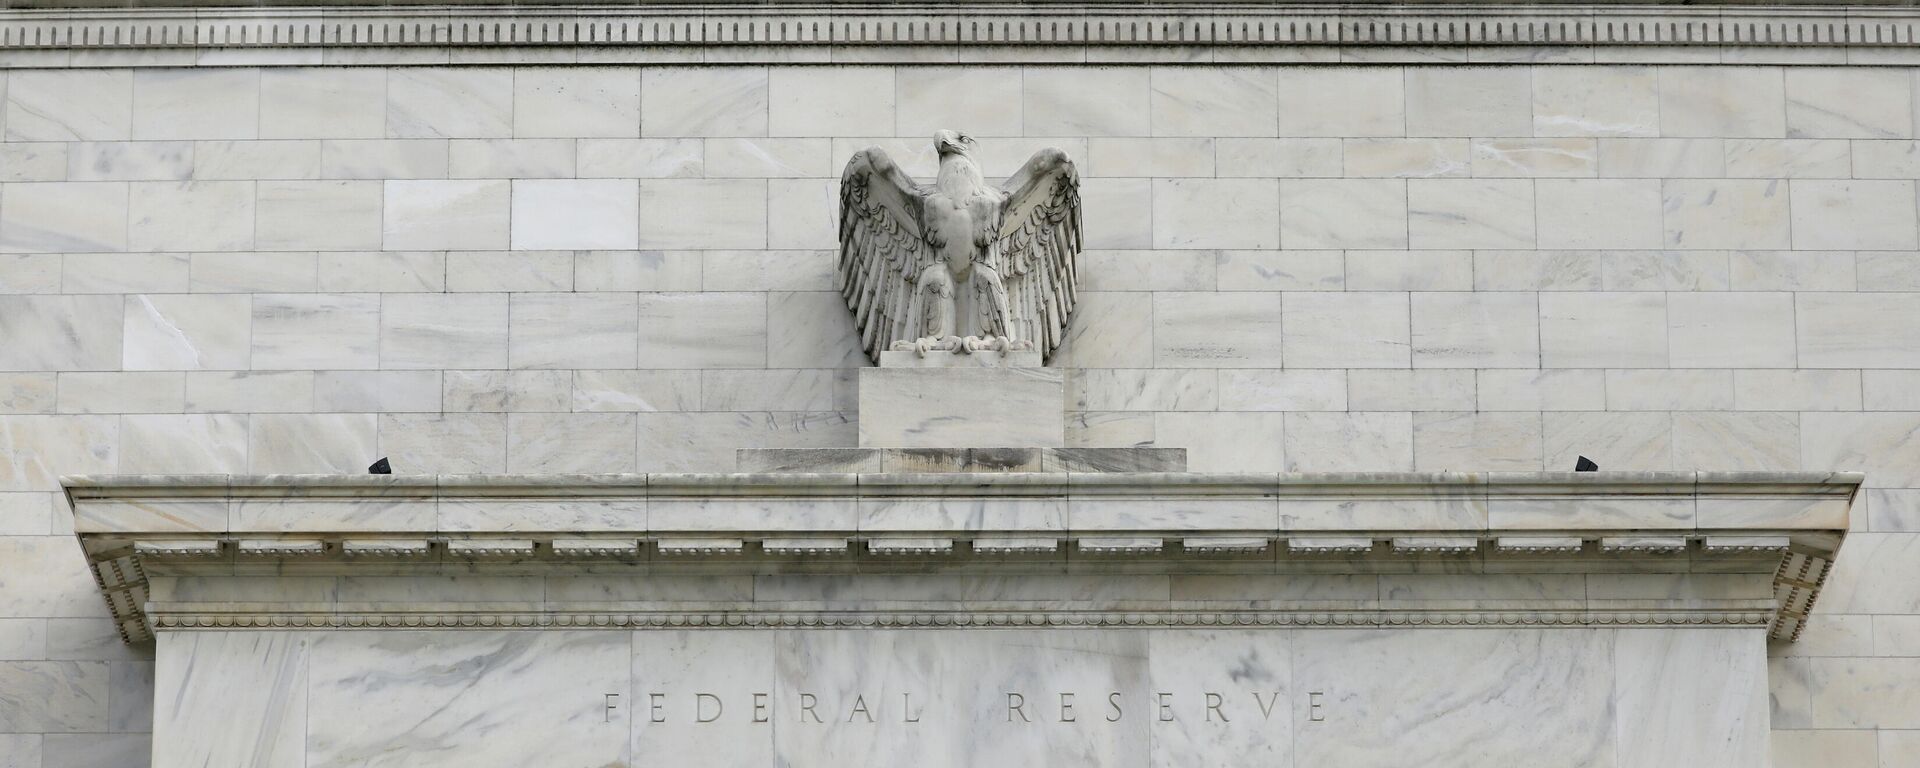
{"x": 1013, "y": 707}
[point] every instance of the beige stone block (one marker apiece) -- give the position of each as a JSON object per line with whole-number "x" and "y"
{"x": 1886, "y": 390}
{"x": 384, "y": 159}
{"x": 703, "y": 330}
{"x": 1409, "y": 270}
{"x": 803, "y": 213}
{"x": 1832, "y": 749}
{"x": 1603, "y": 330}
{"x": 1883, "y": 445}
{"x": 315, "y": 331}
{"x": 446, "y": 215}
{"x": 317, "y": 215}
{"x": 979, "y": 100}
{"x": 1857, "y": 330}
{"x": 1789, "y": 158}
{"x": 1729, "y": 102}
{"x": 1726, "y": 214}
{"x": 215, "y": 443}
{"x": 1866, "y": 693}
{"x": 1150, "y": 390}
{"x": 1598, "y": 213}
{"x": 622, "y": 391}
{"x": 1279, "y": 270}
{"x": 1407, "y": 158}
{"x": 1152, "y": 157}
{"x": 36, "y": 161}
{"x": 1342, "y": 101}
{"x": 575, "y": 214}
{"x": 1346, "y": 330}
{"x": 703, "y": 213}
{"x": 1349, "y": 442}
{"x": 761, "y": 390}
{"x": 638, "y": 158}
{"x": 60, "y": 333}
{"x": 1792, "y": 270}
{"x": 1849, "y": 103}
{"x": 707, "y": 442}
{"x": 509, "y": 271}
{"x": 705, "y": 101}
{"x": 1224, "y": 442}
{"x": 768, "y": 158}
{"x": 1087, "y": 101}
{"x": 948, "y": 407}
{"x": 187, "y": 332}
{"x": 1736, "y": 441}
{"x": 1216, "y": 213}
{"x": 1731, "y": 330}
{"x": 252, "y": 272}
{"x": 1118, "y": 213}
{"x": 1343, "y": 213}
{"x": 511, "y": 158}
{"x": 1470, "y": 213}
{"x": 430, "y": 331}
{"x": 1142, "y": 270}
{"x": 1277, "y": 390}
{"x": 250, "y": 392}
{"x": 1475, "y": 330}
{"x": 1476, "y": 442}
{"x": 1888, "y": 271}
{"x": 636, "y": 271}
{"x": 190, "y": 216}
{"x": 1885, "y": 159}
{"x": 63, "y": 217}
{"x": 30, "y": 273}
{"x": 1110, "y": 429}
{"x": 1596, "y": 101}
{"x": 1662, "y": 158}
{"x": 1616, "y": 441}
{"x": 61, "y": 697}
{"x": 498, "y": 391}
{"x": 69, "y": 105}
{"x": 431, "y": 443}
{"x": 1108, "y": 331}
{"x": 311, "y": 443}
{"x": 117, "y": 392}
{"x": 1214, "y": 101}
{"x": 323, "y": 103}
{"x": 572, "y": 330}
{"x": 1664, "y": 270}
{"x": 1862, "y": 215}
{"x": 41, "y": 449}
{"x": 1790, "y": 390}
{"x": 1410, "y": 390}
{"x": 196, "y": 103}
{"x": 123, "y": 273}
{"x": 1542, "y": 390}
{"x": 813, "y": 329}
{"x": 575, "y": 102}
{"x": 364, "y": 391}
{"x": 244, "y": 160}
{"x": 1260, "y": 158}
{"x": 437, "y": 103}
{"x": 1652, "y": 389}
{"x": 130, "y": 161}
{"x": 772, "y": 270}
{"x": 835, "y": 101}
{"x": 1223, "y": 330}
{"x": 27, "y": 393}
{"x": 1498, "y": 158}
{"x": 1860, "y": 584}
{"x": 1469, "y": 101}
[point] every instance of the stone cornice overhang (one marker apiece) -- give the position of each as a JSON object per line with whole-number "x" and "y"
{"x": 875, "y": 32}
{"x": 1012, "y": 524}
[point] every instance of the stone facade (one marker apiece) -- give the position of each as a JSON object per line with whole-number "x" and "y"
{"x": 620, "y": 268}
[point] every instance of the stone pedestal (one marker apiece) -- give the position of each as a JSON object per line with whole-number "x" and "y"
{"x": 947, "y": 400}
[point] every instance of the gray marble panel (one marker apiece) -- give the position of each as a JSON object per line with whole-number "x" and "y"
{"x": 1693, "y": 697}
{"x": 468, "y": 699}
{"x": 231, "y": 698}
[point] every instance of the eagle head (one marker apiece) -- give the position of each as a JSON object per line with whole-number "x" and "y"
{"x": 948, "y": 142}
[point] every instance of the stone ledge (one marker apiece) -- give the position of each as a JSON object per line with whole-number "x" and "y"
{"x": 870, "y": 32}
{"x": 137, "y": 528}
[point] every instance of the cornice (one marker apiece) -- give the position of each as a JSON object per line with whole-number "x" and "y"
{"x": 873, "y": 32}
{"x": 1008, "y": 523}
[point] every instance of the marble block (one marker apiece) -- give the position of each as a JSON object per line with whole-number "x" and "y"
{"x": 1022, "y": 407}
{"x": 961, "y": 460}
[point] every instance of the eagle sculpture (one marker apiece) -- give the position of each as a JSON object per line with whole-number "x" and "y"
{"x": 959, "y": 265}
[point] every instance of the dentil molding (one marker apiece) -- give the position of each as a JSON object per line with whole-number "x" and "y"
{"x": 875, "y": 32}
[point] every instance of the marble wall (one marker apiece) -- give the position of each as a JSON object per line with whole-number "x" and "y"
{"x": 1592, "y": 697}
{"x": 590, "y": 269}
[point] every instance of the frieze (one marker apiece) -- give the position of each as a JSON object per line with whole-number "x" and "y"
{"x": 878, "y": 32}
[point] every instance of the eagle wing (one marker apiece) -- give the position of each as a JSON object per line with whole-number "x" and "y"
{"x": 882, "y": 250}
{"x": 1039, "y": 242}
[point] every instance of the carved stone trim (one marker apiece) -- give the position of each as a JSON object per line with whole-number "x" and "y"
{"x": 882, "y": 31}
{"x": 922, "y": 619}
